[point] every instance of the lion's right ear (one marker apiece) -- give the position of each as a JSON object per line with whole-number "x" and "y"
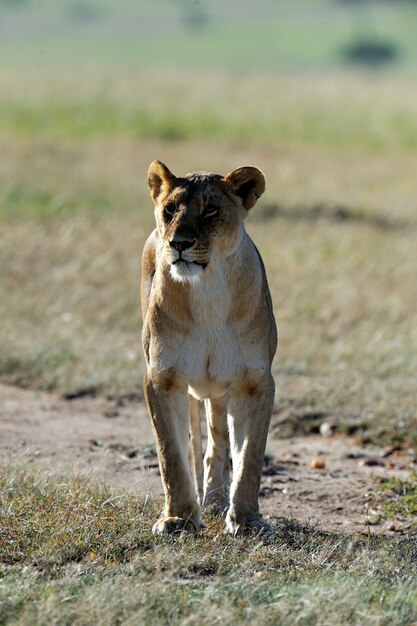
{"x": 160, "y": 179}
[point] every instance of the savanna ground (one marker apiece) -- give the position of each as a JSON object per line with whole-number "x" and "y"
{"x": 87, "y": 99}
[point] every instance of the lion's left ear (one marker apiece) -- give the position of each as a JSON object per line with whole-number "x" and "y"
{"x": 248, "y": 183}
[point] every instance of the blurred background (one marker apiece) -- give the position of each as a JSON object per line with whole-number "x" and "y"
{"x": 320, "y": 94}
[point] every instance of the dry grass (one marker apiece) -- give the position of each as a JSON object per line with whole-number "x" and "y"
{"x": 76, "y": 555}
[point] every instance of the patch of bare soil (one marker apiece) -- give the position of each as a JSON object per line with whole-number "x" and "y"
{"x": 325, "y": 481}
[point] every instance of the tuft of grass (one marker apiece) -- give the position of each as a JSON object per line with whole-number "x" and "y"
{"x": 399, "y": 497}
{"x": 50, "y": 524}
{"x": 42, "y": 370}
{"x": 72, "y": 553}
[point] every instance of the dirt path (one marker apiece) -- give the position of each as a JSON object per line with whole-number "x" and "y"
{"x": 111, "y": 441}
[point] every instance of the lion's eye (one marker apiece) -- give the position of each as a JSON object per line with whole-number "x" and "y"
{"x": 210, "y": 212}
{"x": 169, "y": 210}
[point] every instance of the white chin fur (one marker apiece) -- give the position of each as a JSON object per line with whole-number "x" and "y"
{"x": 186, "y": 272}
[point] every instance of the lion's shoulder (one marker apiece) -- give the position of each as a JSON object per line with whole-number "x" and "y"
{"x": 149, "y": 260}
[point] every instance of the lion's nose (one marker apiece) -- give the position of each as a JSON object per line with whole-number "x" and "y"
{"x": 181, "y": 244}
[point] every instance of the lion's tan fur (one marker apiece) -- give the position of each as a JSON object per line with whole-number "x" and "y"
{"x": 208, "y": 331}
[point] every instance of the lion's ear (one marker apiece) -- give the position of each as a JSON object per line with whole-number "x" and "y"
{"x": 248, "y": 183}
{"x": 160, "y": 179}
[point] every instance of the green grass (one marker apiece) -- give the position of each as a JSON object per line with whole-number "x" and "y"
{"x": 271, "y": 35}
{"x": 399, "y": 497}
{"x": 21, "y": 200}
{"x": 71, "y": 553}
{"x": 380, "y": 116}
{"x": 55, "y": 120}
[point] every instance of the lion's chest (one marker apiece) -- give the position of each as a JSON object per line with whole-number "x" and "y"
{"x": 212, "y": 361}
{"x": 213, "y": 352}
{"x": 208, "y": 357}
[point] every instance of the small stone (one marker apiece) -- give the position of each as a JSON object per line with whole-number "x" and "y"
{"x": 95, "y": 443}
{"x": 373, "y": 518}
{"x": 391, "y": 527}
{"x": 111, "y": 412}
{"x": 371, "y": 462}
{"x": 318, "y": 464}
{"x": 326, "y": 429}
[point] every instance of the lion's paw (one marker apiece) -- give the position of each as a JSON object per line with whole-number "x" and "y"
{"x": 256, "y": 527}
{"x": 176, "y": 525}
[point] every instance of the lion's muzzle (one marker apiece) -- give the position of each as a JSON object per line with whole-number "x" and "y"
{"x": 179, "y": 244}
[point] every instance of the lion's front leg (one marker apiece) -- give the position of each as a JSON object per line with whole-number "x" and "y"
{"x": 169, "y": 413}
{"x": 249, "y": 415}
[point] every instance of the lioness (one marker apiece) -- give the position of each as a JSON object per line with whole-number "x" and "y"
{"x": 208, "y": 334}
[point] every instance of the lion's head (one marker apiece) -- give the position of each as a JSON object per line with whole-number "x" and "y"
{"x": 200, "y": 216}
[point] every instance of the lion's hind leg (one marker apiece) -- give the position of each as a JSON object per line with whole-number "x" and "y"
{"x": 195, "y": 450}
{"x": 216, "y": 459}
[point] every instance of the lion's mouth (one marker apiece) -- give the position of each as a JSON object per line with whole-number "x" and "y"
{"x": 187, "y": 263}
